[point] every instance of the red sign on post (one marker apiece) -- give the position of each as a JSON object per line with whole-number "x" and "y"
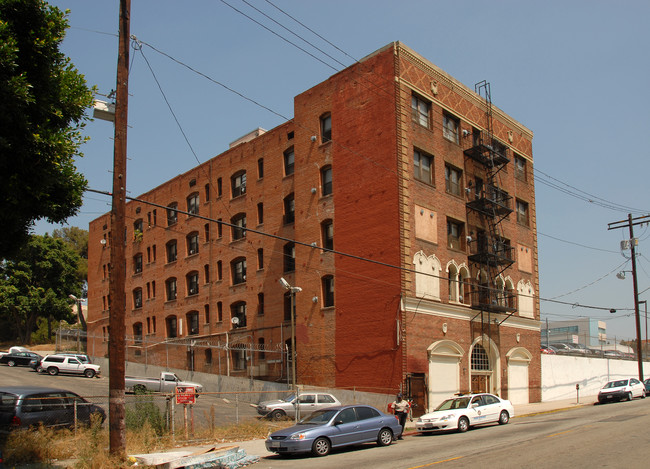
{"x": 185, "y": 395}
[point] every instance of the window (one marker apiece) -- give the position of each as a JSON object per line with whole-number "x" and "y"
{"x": 192, "y": 322}
{"x": 289, "y": 257}
{"x": 172, "y": 251}
{"x": 238, "y": 230}
{"x": 137, "y": 333}
{"x": 238, "y": 314}
{"x": 260, "y": 304}
{"x": 522, "y": 212}
{"x": 219, "y": 187}
{"x": 260, "y": 213}
{"x": 260, "y": 259}
{"x": 219, "y": 229}
{"x": 326, "y": 180}
{"x": 153, "y": 289}
{"x": 328, "y": 290}
{"x": 219, "y": 271}
{"x": 289, "y": 160}
{"x": 206, "y": 190}
{"x": 193, "y": 204}
{"x": 206, "y": 232}
{"x": 206, "y": 273}
{"x": 289, "y": 209}
{"x": 327, "y": 234}
{"x": 192, "y": 243}
{"x": 137, "y": 230}
{"x": 287, "y": 306}
{"x": 260, "y": 168}
{"x": 208, "y": 356}
{"x": 423, "y": 166}
{"x": 450, "y": 126}
{"x": 192, "y": 283}
{"x": 260, "y": 346}
{"x": 206, "y": 313}
{"x": 137, "y": 263}
{"x": 172, "y": 327}
{"x": 172, "y": 214}
{"x": 454, "y": 234}
{"x": 238, "y": 269}
{"x": 326, "y": 128}
{"x": 219, "y": 311}
{"x": 170, "y": 288}
{"x": 238, "y": 183}
{"x": 137, "y": 298}
{"x": 520, "y": 168}
{"x": 420, "y": 110}
{"x": 453, "y": 179}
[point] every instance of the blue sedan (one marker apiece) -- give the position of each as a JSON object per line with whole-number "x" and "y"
{"x": 335, "y": 427}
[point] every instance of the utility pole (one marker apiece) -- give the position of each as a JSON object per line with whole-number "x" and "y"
{"x": 116, "y": 341}
{"x": 629, "y": 223}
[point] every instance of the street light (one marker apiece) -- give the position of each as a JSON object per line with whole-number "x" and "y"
{"x": 293, "y": 291}
{"x": 77, "y": 301}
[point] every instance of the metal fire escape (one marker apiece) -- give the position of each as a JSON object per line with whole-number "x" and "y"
{"x": 490, "y": 253}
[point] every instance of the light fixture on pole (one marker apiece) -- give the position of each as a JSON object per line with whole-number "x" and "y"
{"x": 293, "y": 291}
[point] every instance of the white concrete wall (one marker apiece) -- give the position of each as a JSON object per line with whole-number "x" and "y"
{"x": 561, "y": 373}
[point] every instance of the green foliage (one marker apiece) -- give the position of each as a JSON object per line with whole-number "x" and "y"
{"x": 36, "y": 283}
{"x": 77, "y": 239}
{"x": 145, "y": 411}
{"x": 43, "y": 100}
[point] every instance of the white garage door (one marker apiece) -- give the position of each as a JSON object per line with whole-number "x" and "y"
{"x": 443, "y": 379}
{"x": 518, "y": 382}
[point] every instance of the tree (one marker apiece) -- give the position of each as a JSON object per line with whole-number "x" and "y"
{"x": 43, "y": 100}
{"x": 36, "y": 283}
{"x": 77, "y": 239}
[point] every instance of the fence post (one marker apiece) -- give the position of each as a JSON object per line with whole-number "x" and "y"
{"x": 74, "y": 406}
{"x": 173, "y": 417}
{"x": 237, "y": 407}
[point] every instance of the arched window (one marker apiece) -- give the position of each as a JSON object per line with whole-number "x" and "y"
{"x": 137, "y": 298}
{"x": 170, "y": 288}
{"x": 327, "y": 234}
{"x": 289, "y": 209}
{"x": 480, "y": 359}
{"x": 453, "y": 282}
{"x": 137, "y": 333}
{"x": 192, "y": 322}
{"x": 193, "y": 204}
{"x": 326, "y": 180}
{"x": 238, "y": 184}
{"x": 238, "y": 270}
{"x": 172, "y": 326}
{"x": 238, "y": 314}
{"x": 192, "y": 280}
{"x": 328, "y": 290}
{"x": 238, "y": 230}
{"x": 192, "y": 240}
{"x": 172, "y": 214}
{"x": 172, "y": 251}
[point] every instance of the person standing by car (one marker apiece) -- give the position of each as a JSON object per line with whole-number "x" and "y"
{"x": 401, "y": 409}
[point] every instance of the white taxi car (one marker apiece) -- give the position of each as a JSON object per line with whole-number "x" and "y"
{"x": 464, "y": 411}
{"x": 621, "y": 390}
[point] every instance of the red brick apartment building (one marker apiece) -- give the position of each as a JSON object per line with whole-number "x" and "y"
{"x": 400, "y": 201}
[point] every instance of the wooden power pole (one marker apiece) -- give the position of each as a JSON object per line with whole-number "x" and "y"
{"x": 116, "y": 341}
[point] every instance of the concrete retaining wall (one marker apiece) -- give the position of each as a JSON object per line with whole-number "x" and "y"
{"x": 561, "y": 373}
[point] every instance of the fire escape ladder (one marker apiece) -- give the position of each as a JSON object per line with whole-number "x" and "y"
{"x": 490, "y": 252}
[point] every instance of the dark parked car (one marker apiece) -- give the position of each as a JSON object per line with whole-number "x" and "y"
{"x": 20, "y": 358}
{"x": 647, "y": 387}
{"x": 26, "y": 406}
{"x": 335, "y": 427}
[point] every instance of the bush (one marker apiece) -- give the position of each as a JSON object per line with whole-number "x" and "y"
{"x": 145, "y": 410}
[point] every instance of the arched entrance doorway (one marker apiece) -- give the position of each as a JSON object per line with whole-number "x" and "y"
{"x": 444, "y": 371}
{"x": 484, "y": 366}
{"x": 518, "y": 361}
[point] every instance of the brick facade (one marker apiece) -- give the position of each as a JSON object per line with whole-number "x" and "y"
{"x": 380, "y": 334}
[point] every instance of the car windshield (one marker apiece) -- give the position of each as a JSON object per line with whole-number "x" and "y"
{"x": 616, "y": 384}
{"x": 457, "y": 403}
{"x": 289, "y": 398}
{"x": 320, "y": 417}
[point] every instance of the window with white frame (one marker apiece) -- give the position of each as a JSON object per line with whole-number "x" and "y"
{"x": 522, "y": 213}
{"x": 289, "y": 162}
{"x": 450, "y": 125}
{"x": 326, "y": 128}
{"x": 453, "y": 180}
{"x": 238, "y": 269}
{"x": 238, "y": 228}
{"x": 423, "y": 166}
{"x": 192, "y": 280}
{"x": 420, "y": 110}
{"x": 238, "y": 184}
{"x": 193, "y": 204}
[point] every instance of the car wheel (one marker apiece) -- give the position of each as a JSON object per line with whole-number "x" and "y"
{"x": 53, "y": 370}
{"x": 504, "y": 417}
{"x": 89, "y": 373}
{"x": 643, "y": 394}
{"x": 630, "y": 396}
{"x": 385, "y": 437}
{"x": 11, "y": 363}
{"x": 463, "y": 424}
{"x": 277, "y": 414}
{"x": 321, "y": 447}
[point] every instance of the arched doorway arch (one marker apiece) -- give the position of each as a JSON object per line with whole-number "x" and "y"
{"x": 444, "y": 371}
{"x": 519, "y": 359}
{"x": 484, "y": 366}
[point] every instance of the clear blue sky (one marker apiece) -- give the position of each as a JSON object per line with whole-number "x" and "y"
{"x": 574, "y": 72}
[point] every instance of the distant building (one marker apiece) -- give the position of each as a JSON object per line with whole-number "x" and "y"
{"x": 399, "y": 200}
{"x": 585, "y": 331}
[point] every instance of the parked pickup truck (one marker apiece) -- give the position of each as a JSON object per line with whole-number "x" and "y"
{"x": 166, "y": 383}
